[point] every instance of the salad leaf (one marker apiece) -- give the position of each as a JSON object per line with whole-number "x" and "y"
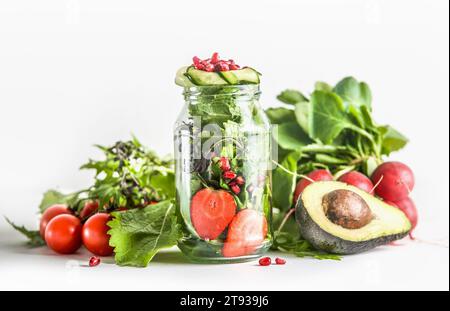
{"x": 291, "y": 97}
{"x": 52, "y": 197}
{"x": 292, "y": 137}
{"x": 302, "y": 115}
{"x": 285, "y": 182}
{"x": 34, "y": 237}
{"x": 354, "y": 92}
{"x": 393, "y": 140}
{"x": 138, "y": 235}
{"x": 280, "y": 115}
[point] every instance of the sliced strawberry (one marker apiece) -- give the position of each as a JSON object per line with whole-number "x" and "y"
{"x": 246, "y": 233}
{"x": 211, "y": 212}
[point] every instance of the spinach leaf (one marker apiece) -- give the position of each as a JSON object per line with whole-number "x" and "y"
{"x": 285, "y": 182}
{"x": 323, "y": 86}
{"x": 354, "y": 92}
{"x": 392, "y": 140}
{"x": 137, "y": 235}
{"x": 280, "y": 115}
{"x": 292, "y": 137}
{"x": 291, "y": 97}
{"x": 52, "y": 197}
{"x": 302, "y": 115}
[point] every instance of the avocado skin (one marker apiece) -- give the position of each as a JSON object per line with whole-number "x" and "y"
{"x": 324, "y": 241}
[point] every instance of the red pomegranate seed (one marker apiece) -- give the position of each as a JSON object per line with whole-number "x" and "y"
{"x": 280, "y": 261}
{"x": 94, "y": 261}
{"x": 215, "y": 58}
{"x": 266, "y": 261}
{"x": 240, "y": 180}
{"x": 250, "y": 189}
{"x": 236, "y": 189}
{"x": 222, "y": 66}
{"x": 234, "y": 67}
{"x": 229, "y": 175}
{"x": 196, "y": 60}
{"x": 209, "y": 67}
{"x": 224, "y": 164}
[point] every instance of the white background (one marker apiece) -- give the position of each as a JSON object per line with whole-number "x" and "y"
{"x": 78, "y": 72}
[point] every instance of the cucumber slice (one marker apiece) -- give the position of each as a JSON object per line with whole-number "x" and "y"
{"x": 229, "y": 76}
{"x": 247, "y": 75}
{"x": 181, "y": 79}
{"x": 204, "y": 78}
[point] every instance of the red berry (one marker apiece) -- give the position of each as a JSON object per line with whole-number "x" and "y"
{"x": 236, "y": 189}
{"x": 215, "y": 58}
{"x": 240, "y": 180}
{"x": 266, "y": 261}
{"x": 280, "y": 261}
{"x": 94, "y": 261}
{"x": 229, "y": 175}
{"x": 224, "y": 164}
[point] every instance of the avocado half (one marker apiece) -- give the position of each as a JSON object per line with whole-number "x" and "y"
{"x": 325, "y": 232}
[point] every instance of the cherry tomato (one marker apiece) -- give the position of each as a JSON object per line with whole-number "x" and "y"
{"x": 49, "y": 214}
{"x": 95, "y": 235}
{"x": 89, "y": 209}
{"x": 63, "y": 234}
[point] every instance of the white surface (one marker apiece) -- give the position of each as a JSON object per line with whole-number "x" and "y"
{"x": 74, "y": 73}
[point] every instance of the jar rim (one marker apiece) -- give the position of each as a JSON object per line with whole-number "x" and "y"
{"x": 241, "y": 89}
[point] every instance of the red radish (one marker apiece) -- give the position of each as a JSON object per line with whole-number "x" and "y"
{"x": 49, "y": 214}
{"x": 317, "y": 175}
{"x": 265, "y": 261}
{"x": 246, "y": 233}
{"x": 211, "y": 212}
{"x": 358, "y": 180}
{"x": 395, "y": 181}
{"x": 408, "y": 207}
{"x": 89, "y": 209}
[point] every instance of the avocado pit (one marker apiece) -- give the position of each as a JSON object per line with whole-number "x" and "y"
{"x": 346, "y": 209}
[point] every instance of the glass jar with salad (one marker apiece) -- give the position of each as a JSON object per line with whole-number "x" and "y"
{"x": 223, "y": 163}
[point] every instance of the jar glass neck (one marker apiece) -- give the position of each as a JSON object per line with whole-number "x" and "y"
{"x": 220, "y": 94}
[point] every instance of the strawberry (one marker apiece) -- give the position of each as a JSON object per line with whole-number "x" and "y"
{"x": 246, "y": 233}
{"x": 211, "y": 212}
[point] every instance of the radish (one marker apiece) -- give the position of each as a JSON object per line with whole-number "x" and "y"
{"x": 317, "y": 175}
{"x": 408, "y": 207}
{"x": 358, "y": 180}
{"x": 395, "y": 181}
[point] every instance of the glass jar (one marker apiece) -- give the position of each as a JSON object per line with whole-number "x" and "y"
{"x": 223, "y": 176}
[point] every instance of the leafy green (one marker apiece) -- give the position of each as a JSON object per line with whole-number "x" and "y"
{"x": 292, "y": 137}
{"x": 34, "y": 237}
{"x": 291, "y": 97}
{"x": 138, "y": 235}
{"x": 285, "y": 182}
{"x": 52, "y": 197}
{"x": 354, "y": 92}
{"x": 393, "y": 140}
{"x": 280, "y": 115}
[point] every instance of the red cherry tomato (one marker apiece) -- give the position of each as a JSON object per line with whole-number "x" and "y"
{"x": 63, "y": 234}
{"x": 95, "y": 235}
{"x": 89, "y": 209}
{"x": 49, "y": 214}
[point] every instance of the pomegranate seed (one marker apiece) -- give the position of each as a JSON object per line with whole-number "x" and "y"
{"x": 266, "y": 261}
{"x": 234, "y": 67}
{"x": 240, "y": 180}
{"x": 94, "y": 261}
{"x": 250, "y": 188}
{"x": 209, "y": 67}
{"x": 280, "y": 261}
{"x": 224, "y": 164}
{"x": 215, "y": 58}
{"x": 236, "y": 189}
{"x": 196, "y": 60}
{"x": 222, "y": 66}
{"x": 229, "y": 175}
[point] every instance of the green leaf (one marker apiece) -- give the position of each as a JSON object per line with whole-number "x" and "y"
{"x": 392, "y": 139}
{"x": 284, "y": 183}
{"x": 292, "y": 137}
{"x": 291, "y": 97}
{"x": 302, "y": 113}
{"x": 329, "y": 118}
{"x": 323, "y": 86}
{"x": 280, "y": 115}
{"x": 137, "y": 235}
{"x": 34, "y": 237}
{"x": 354, "y": 92}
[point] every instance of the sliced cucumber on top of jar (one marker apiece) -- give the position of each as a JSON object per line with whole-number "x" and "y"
{"x": 214, "y": 71}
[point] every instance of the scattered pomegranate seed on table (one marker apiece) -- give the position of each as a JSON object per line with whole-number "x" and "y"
{"x": 94, "y": 261}
{"x": 280, "y": 261}
{"x": 266, "y": 261}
